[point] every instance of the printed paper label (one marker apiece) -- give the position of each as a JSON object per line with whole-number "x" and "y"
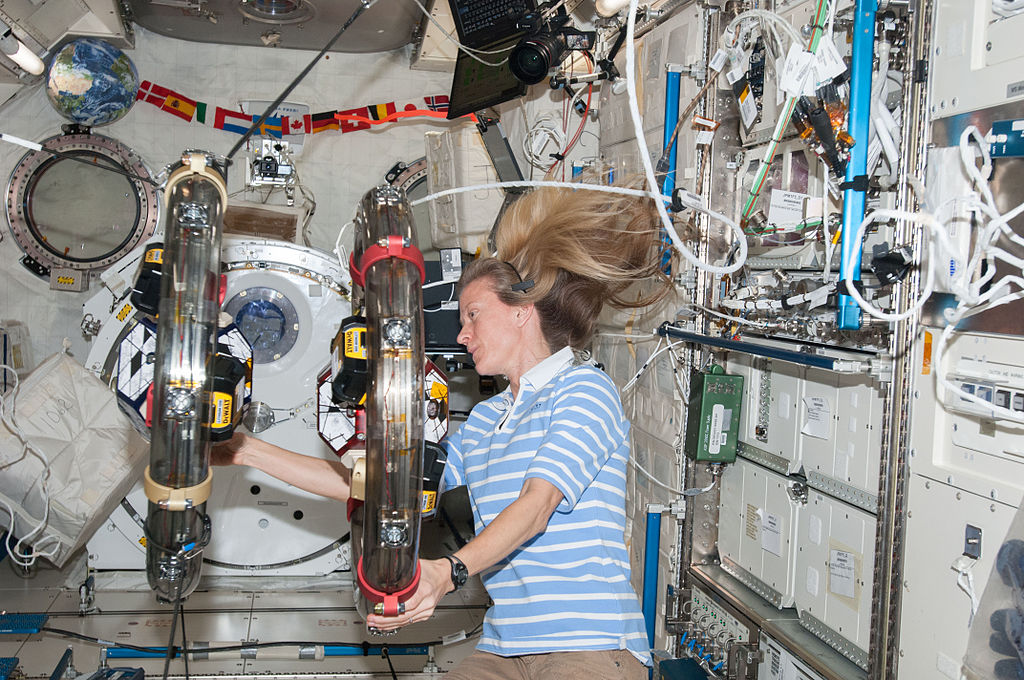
{"x": 786, "y": 207}
{"x": 797, "y": 70}
{"x": 771, "y": 534}
{"x": 828, "y": 63}
{"x": 842, "y": 570}
{"x": 817, "y": 416}
{"x": 753, "y": 519}
{"x": 717, "y": 424}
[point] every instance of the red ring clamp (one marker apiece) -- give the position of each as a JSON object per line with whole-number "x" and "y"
{"x": 391, "y": 601}
{"x": 396, "y": 247}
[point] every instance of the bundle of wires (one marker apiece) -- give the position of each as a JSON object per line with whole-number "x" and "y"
{"x": 789, "y": 107}
{"x": 973, "y": 279}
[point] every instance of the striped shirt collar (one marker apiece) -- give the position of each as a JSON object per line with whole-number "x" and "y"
{"x": 544, "y": 372}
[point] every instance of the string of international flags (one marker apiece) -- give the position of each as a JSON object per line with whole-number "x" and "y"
{"x": 230, "y": 120}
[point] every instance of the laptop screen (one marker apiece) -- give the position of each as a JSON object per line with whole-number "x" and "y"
{"x": 476, "y": 86}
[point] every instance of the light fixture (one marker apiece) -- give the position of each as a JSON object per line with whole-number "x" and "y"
{"x": 18, "y": 52}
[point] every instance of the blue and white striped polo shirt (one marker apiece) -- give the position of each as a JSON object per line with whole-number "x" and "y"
{"x": 568, "y": 588}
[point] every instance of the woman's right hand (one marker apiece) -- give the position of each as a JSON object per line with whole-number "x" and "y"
{"x": 230, "y": 452}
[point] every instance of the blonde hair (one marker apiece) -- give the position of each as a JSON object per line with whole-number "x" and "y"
{"x": 581, "y": 250}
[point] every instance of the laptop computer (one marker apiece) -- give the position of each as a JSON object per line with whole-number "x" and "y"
{"x": 489, "y": 25}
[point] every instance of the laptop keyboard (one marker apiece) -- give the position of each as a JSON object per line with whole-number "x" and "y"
{"x": 478, "y": 15}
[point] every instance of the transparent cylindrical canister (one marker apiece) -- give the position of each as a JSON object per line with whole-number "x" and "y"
{"x": 178, "y": 475}
{"x": 393, "y": 290}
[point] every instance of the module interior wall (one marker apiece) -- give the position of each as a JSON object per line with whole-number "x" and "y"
{"x": 655, "y": 409}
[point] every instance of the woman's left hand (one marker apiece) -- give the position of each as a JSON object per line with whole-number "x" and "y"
{"x": 435, "y": 582}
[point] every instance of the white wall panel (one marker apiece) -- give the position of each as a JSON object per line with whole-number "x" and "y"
{"x": 757, "y": 527}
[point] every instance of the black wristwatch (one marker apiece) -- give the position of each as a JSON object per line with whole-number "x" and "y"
{"x": 459, "y": 572}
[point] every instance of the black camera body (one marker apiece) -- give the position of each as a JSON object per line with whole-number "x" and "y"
{"x": 545, "y": 46}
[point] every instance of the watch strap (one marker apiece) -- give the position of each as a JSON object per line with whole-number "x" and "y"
{"x": 457, "y": 565}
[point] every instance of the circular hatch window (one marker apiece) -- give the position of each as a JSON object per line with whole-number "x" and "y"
{"x": 277, "y": 11}
{"x": 83, "y": 202}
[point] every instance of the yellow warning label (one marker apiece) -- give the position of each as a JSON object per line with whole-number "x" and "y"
{"x": 355, "y": 343}
{"x": 142, "y": 541}
{"x": 125, "y": 311}
{"x": 155, "y": 256}
{"x": 221, "y": 409}
{"x": 65, "y": 280}
{"x": 429, "y": 501}
{"x": 926, "y": 355}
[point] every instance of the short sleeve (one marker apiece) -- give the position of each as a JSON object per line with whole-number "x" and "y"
{"x": 454, "y": 469}
{"x": 587, "y": 427}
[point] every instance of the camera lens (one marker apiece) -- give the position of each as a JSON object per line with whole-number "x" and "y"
{"x": 534, "y": 57}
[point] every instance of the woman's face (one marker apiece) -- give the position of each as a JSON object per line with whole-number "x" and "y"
{"x": 489, "y": 330}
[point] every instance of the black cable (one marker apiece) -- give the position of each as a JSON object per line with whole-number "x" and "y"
{"x": 174, "y": 622}
{"x": 363, "y": 6}
{"x": 113, "y": 167}
{"x": 387, "y": 657}
{"x": 184, "y": 638}
{"x": 89, "y": 638}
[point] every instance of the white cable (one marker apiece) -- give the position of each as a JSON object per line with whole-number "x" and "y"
{"x": 658, "y": 349}
{"x": 830, "y": 248}
{"x": 628, "y": 336}
{"x": 639, "y": 193}
{"x": 7, "y": 415}
{"x": 645, "y": 158}
{"x": 924, "y": 219}
{"x": 773, "y": 20}
{"x": 736, "y": 319}
{"x": 339, "y": 250}
{"x": 538, "y": 137}
{"x": 468, "y": 50}
{"x": 696, "y": 491}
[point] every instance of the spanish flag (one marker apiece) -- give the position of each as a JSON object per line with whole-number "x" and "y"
{"x": 180, "y": 105}
{"x": 168, "y": 100}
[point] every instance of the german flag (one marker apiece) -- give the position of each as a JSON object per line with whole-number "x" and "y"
{"x": 323, "y": 121}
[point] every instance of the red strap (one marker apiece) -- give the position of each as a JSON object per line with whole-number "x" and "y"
{"x": 395, "y": 248}
{"x": 149, "y": 405}
{"x": 353, "y": 504}
{"x": 391, "y": 600}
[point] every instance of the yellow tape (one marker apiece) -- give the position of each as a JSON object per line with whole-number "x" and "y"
{"x": 177, "y": 499}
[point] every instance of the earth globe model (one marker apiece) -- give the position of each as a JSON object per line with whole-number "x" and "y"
{"x": 91, "y": 82}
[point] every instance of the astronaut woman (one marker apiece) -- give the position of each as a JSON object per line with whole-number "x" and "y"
{"x": 545, "y": 460}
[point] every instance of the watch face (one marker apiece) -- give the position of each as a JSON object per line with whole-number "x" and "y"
{"x": 459, "y": 573}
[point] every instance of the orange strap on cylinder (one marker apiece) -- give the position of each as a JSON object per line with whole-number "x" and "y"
{"x": 396, "y": 247}
{"x": 391, "y": 601}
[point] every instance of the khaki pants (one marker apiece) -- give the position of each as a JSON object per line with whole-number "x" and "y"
{"x": 611, "y": 664}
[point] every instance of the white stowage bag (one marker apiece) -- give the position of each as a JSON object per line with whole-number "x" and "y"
{"x": 95, "y": 456}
